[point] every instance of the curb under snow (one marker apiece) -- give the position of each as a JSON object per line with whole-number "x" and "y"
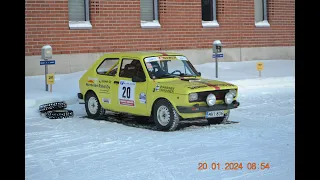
{"x": 36, "y": 102}
{"x": 245, "y": 84}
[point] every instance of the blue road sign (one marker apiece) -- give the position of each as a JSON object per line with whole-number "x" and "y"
{"x": 217, "y": 55}
{"x": 49, "y": 62}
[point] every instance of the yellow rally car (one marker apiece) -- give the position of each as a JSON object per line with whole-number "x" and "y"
{"x": 165, "y": 87}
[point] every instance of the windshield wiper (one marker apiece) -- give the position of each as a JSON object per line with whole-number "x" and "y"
{"x": 167, "y": 75}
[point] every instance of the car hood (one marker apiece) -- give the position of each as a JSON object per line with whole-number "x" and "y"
{"x": 189, "y": 85}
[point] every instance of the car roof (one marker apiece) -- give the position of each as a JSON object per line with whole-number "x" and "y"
{"x": 141, "y": 54}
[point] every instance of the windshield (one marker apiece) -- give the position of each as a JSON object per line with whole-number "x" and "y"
{"x": 169, "y": 67}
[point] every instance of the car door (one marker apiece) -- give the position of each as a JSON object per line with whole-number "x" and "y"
{"x": 132, "y": 96}
{"x": 106, "y": 90}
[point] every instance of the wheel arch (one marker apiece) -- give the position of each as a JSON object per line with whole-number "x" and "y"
{"x": 89, "y": 91}
{"x": 159, "y": 98}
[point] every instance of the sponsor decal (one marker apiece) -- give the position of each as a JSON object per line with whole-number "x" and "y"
{"x": 149, "y": 66}
{"x": 92, "y": 80}
{"x": 167, "y": 58}
{"x": 143, "y": 98}
{"x": 126, "y": 93}
{"x": 106, "y": 100}
{"x": 104, "y": 81}
{"x": 159, "y": 58}
{"x": 126, "y": 102}
{"x": 151, "y": 59}
{"x": 98, "y": 86}
{"x": 157, "y": 87}
{"x": 165, "y": 89}
{"x": 182, "y": 58}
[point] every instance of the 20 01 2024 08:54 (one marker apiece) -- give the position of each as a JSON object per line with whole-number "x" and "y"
{"x": 233, "y": 166}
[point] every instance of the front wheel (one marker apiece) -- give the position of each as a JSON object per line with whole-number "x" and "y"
{"x": 165, "y": 116}
{"x": 93, "y": 106}
{"x": 219, "y": 120}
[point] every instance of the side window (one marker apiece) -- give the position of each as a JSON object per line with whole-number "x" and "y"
{"x": 130, "y": 68}
{"x": 106, "y": 65}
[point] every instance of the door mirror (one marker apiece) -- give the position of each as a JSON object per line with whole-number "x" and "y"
{"x": 138, "y": 79}
{"x": 199, "y": 73}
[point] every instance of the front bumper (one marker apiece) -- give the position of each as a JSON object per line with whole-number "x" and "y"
{"x": 197, "y": 108}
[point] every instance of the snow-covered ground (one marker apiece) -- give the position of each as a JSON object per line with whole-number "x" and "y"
{"x": 83, "y": 149}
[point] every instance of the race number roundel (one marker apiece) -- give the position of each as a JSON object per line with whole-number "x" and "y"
{"x": 126, "y": 93}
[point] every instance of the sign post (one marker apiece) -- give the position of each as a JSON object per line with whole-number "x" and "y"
{"x": 216, "y": 66}
{"x": 46, "y": 53}
{"x": 260, "y": 67}
{"x": 47, "y": 62}
{"x": 216, "y": 56}
{"x": 217, "y": 48}
{"x": 50, "y": 80}
{"x": 46, "y": 73}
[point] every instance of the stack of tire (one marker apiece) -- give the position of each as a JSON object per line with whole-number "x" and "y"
{"x": 56, "y": 110}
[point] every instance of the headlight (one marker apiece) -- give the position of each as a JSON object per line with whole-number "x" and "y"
{"x": 211, "y": 99}
{"x": 228, "y": 98}
{"x": 233, "y": 92}
{"x": 193, "y": 96}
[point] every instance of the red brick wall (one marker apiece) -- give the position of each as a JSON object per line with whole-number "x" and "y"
{"x": 116, "y": 26}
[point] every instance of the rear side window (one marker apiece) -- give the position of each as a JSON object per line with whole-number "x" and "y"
{"x": 106, "y": 65}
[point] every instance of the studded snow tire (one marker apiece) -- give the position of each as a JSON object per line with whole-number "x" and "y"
{"x": 59, "y": 114}
{"x": 52, "y": 106}
{"x": 93, "y": 107}
{"x": 165, "y": 116}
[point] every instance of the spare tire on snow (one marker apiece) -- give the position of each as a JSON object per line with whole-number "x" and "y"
{"x": 52, "y": 106}
{"x": 59, "y": 114}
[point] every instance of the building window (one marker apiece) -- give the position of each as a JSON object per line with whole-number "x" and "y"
{"x": 79, "y": 14}
{"x": 149, "y": 14}
{"x": 209, "y": 13}
{"x": 260, "y": 13}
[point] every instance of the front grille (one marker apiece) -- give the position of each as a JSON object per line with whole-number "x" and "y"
{"x": 218, "y": 93}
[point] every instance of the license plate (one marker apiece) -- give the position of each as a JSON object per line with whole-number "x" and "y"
{"x": 213, "y": 114}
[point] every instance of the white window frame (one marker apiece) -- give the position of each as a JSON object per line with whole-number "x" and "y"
{"x": 82, "y": 24}
{"x": 264, "y": 22}
{"x": 214, "y": 22}
{"x": 155, "y": 23}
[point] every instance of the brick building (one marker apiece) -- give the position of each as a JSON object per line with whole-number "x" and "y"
{"x": 79, "y": 31}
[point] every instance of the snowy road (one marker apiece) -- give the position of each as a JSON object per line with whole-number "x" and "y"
{"x": 80, "y": 148}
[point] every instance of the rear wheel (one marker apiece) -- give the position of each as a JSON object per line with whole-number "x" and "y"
{"x": 219, "y": 120}
{"x": 165, "y": 116}
{"x": 93, "y": 107}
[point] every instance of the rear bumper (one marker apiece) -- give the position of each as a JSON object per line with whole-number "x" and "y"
{"x": 197, "y": 109}
{"x": 80, "y": 98}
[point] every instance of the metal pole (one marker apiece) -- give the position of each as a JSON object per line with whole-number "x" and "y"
{"x": 45, "y": 74}
{"x": 265, "y": 15}
{"x": 155, "y": 9}
{"x": 214, "y": 6}
{"x": 216, "y": 65}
